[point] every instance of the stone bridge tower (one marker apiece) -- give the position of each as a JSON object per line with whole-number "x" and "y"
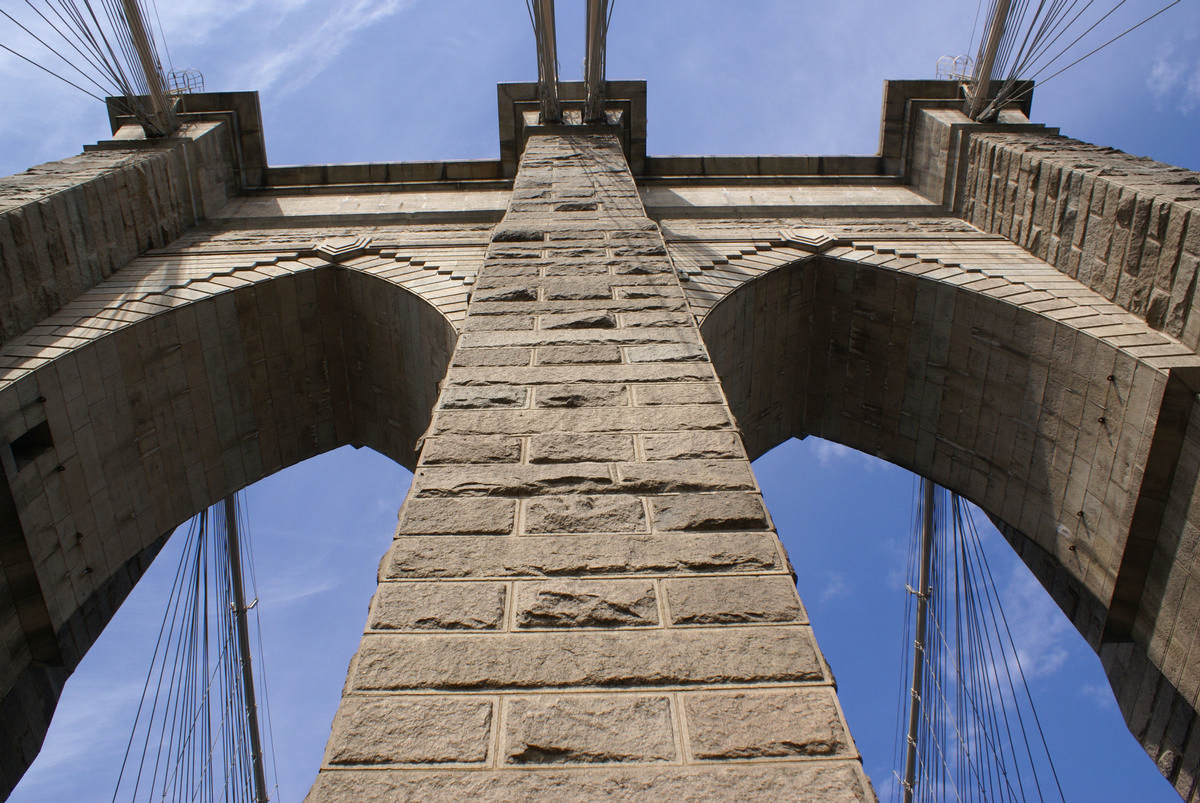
{"x": 578, "y": 348}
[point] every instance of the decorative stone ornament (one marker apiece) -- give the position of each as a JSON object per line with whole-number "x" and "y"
{"x": 339, "y": 249}
{"x": 813, "y": 240}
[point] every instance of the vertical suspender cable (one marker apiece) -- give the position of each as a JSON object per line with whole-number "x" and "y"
{"x": 163, "y": 113}
{"x": 983, "y": 67}
{"x": 243, "y": 633}
{"x": 593, "y": 65}
{"x": 914, "y": 709}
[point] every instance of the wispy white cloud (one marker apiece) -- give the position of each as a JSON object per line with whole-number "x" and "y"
{"x": 1099, "y": 694}
{"x": 835, "y": 587}
{"x": 1038, "y": 627}
{"x": 297, "y": 61}
{"x": 1174, "y": 80}
{"x": 830, "y": 454}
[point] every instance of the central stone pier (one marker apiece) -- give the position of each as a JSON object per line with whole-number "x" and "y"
{"x": 585, "y": 599}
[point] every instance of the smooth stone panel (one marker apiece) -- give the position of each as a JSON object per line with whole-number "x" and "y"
{"x": 534, "y": 556}
{"x": 685, "y": 657}
{"x": 411, "y": 729}
{"x": 795, "y": 722}
{"x": 801, "y": 782}
{"x": 588, "y": 729}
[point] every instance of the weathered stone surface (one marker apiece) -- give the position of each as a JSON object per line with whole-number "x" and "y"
{"x": 678, "y": 393}
{"x": 574, "y": 355}
{"x": 588, "y": 729}
{"x": 666, "y": 352}
{"x": 634, "y": 320}
{"x": 438, "y": 606}
{"x": 411, "y": 730}
{"x": 718, "y": 511}
{"x": 511, "y": 480}
{"x": 579, "y": 374}
{"x": 596, "y": 319}
{"x": 685, "y": 475}
{"x": 585, "y": 514}
{"x": 650, "y": 657}
{"x": 799, "y": 782}
{"x": 490, "y": 323}
{"x": 569, "y": 447}
{"x": 795, "y": 722}
{"x": 596, "y": 419}
{"x": 691, "y": 445}
{"x": 471, "y": 449}
{"x": 733, "y": 599}
{"x": 517, "y": 234}
{"x": 577, "y": 395}
{"x": 490, "y": 357}
{"x": 471, "y": 398}
{"x": 533, "y": 556}
{"x": 576, "y": 291}
{"x": 506, "y": 293}
{"x": 647, "y": 299}
{"x": 458, "y": 516}
{"x": 575, "y": 268}
{"x": 649, "y": 292}
{"x": 578, "y": 336}
{"x": 586, "y": 603}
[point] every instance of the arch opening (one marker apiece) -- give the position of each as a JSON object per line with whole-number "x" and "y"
{"x": 1074, "y": 446}
{"x": 163, "y": 417}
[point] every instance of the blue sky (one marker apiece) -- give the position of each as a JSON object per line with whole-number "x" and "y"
{"x": 399, "y": 80}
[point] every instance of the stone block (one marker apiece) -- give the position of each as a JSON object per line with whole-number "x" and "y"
{"x": 595, "y": 419}
{"x": 677, "y": 476}
{"x": 535, "y": 659}
{"x": 678, "y": 393}
{"x": 654, "y": 319}
{"x": 503, "y": 479}
{"x": 491, "y": 357}
{"x": 580, "y": 395}
{"x": 535, "y": 556}
{"x": 576, "y": 355}
{"x": 570, "y": 447}
{"x": 477, "y": 398}
{"x": 576, "y": 291}
{"x": 724, "y": 600}
{"x": 588, "y": 729}
{"x": 438, "y": 606}
{"x": 666, "y": 352}
{"x": 775, "y": 724}
{"x": 573, "y": 268}
{"x": 505, "y": 293}
{"x": 597, "y": 319}
{"x": 471, "y": 449}
{"x": 716, "y": 511}
{"x": 586, "y": 603}
{"x": 457, "y": 516}
{"x": 585, "y": 514}
{"x": 411, "y": 730}
{"x": 691, "y": 445}
{"x": 812, "y": 781}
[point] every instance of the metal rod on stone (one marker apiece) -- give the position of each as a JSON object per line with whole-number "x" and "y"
{"x": 164, "y": 115}
{"x": 547, "y": 52}
{"x": 984, "y": 67}
{"x": 243, "y": 632}
{"x": 923, "y": 590}
{"x": 593, "y": 65}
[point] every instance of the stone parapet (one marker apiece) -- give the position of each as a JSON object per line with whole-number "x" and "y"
{"x": 1125, "y": 227}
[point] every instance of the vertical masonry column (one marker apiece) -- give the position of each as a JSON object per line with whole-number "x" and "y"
{"x": 585, "y": 599}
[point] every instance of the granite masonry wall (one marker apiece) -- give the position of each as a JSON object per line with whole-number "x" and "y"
{"x": 585, "y": 598}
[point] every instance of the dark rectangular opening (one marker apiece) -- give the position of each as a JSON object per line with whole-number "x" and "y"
{"x": 32, "y": 445}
